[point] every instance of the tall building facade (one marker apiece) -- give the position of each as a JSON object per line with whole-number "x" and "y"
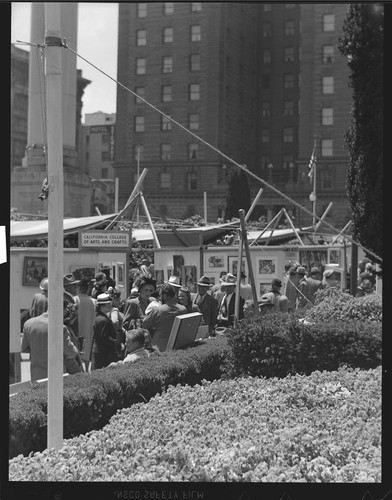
{"x": 258, "y": 82}
{"x": 96, "y": 154}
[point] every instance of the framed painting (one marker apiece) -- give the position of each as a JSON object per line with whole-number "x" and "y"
{"x": 80, "y": 273}
{"x": 178, "y": 261}
{"x": 184, "y": 330}
{"x": 188, "y": 277}
{"x": 263, "y": 287}
{"x": 168, "y": 272}
{"x": 159, "y": 276}
{"x": 232, "y": 265}
{"x": 333, "y": 256}
{"x": 313, "y": 258}
{"x": 266, "y": 267}
{"x": 120, "y": 274}
{"x": 215, "y": 262}
{"x": 34, "y": 270}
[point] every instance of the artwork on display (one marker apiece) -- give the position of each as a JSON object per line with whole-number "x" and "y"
{"x": 184, "y": 330}
{"x": 159, "y": 276}
{"x": 232, "y": 265}
{"x": 178, "y": 261}
{"x": 80, "y": 273}
{"x": 263, "y": 287}
{"x": 34, "y": 270}
{"x": 188, "y": 277}
{"x": 215, "y": 262}
{"x": 168, "y": 272}
{"x": 120, "y": 274}
{"x": 313, "y": 258}
{"x": 333, "y": 256}
{"x": 266, "y": 266}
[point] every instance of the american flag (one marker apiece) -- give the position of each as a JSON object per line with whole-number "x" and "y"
{"x": 312, "y": 163}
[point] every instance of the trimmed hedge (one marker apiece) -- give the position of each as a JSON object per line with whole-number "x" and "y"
{"x": 276, "y": 345}
{"x": 91, "y": 399}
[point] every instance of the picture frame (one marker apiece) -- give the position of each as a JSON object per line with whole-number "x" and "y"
{"x": 184, "y": 330}
{"x": 34, "y": 270}
{"x": 189, "y": 277}
{"x": 159, "y": 276}
{"x": 215, "y": 262}
{"x": 168, "y": 272}
{"x": 263, "y": 287}
{"x": 267, "y": 267}
{"x": 120, "y": 274}
{"x": 313, "y": 258}
{"x": 83, "y": 272}
{"x": 334, "y": 256}
{"x": 232, "y": 265}
{"x": 178, "y": 262}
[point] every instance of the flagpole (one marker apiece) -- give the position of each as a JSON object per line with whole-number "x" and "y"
{"x": 314, "y": 194}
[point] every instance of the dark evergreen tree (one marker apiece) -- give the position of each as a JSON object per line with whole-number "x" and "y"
{"x": 362, "y": 44}
{"x": 238, "y": 196}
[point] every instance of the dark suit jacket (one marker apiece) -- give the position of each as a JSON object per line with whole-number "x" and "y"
{"x": 209, "y": 310}
{"x": 230, "y": 312}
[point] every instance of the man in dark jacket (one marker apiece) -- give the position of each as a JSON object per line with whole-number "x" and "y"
{"x": 226, "y": 305}
{"x": 207, "y": 304}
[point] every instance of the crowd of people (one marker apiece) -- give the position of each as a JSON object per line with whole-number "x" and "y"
{"x": 100, "y": 329}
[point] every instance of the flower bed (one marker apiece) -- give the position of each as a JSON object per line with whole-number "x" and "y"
{"x": 325, "y": 427}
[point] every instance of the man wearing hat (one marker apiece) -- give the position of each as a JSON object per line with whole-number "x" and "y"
{"x": 245, "y": 288}
{"x": 308, "y": 286}
{"x": 226, "y": 306}
{"x": 40, "y": 300}
{"x": 175, "y": 282}
{"x": 105, "y": 345}
{"x": 207, "y": 304}
{"x": 280, "y": 301}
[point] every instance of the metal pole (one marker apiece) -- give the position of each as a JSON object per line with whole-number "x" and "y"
{"x": 116, "y": 185}
{"x": 55, "y": 223}
{"x": 314, "y": 194}
{"x": 253, "y": 204}
{"x": 205, "y": 206}
{"x": 138, "y": 177}
{"x": 238, "y": 285}
{"x": 249, "y": 260}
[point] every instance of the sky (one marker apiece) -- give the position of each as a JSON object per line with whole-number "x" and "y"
{"x": 97, "y": 42}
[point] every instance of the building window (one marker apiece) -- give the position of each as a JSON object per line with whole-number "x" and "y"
{"x": 267, "y": 7}
{"x": 289, "y": 54}
{"x": 139, "y": 123}
{"x": 193, "y": 121}
{"x": 142, "y": 10}
{"x": 167, "y": 64}
{"x": 168, "y": 8}
{"x": 165, "y": 178}
{"x": 141, "y": 66}
{"x": 104, "y": 173}
{"x": 192, "y": 181}
{"x": 166, "y": 93}
{"x": 266, "y": 109}
{"x": 266, "y": 56}
{"x": 194, "y": 62}
{"x": 165, "y": 151}
{"x": 141, "y": 37}
{"x": 265, "y": 135}
{"x": 287, "y": 160}
{"x": 326, "y": 178}
{"x": 327, "y": 116}
{"x": 288, "y": 81}
{"x": 288, "y": 134}
{"x": 267, "y": 31}
{"x": 266, "y": 81}
{"x": 168, "y": 35}
{"x": 289, "y": 28}
{"x": 328, "y": 54}
{"x": 166, "y": 124}
{"x": 265, "y": 161}
{"x": 138, "y": 152}
{"x": 288, "y": 108}
{"x": 194, "y": 92}
{"x": 195, "y": 33}
{"x": 193, "y": 151}
{"x": 328, "y": 84}
{"x": 105, "y": 138}
{"x": 196, "y": 7}
{"x": 326, "y": 147}
{"x": 140, "y": 91}
{"x": 329, "y": 22}
{"x": 105, "y": 156}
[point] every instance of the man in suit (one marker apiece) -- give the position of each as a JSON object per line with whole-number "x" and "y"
{"x": 226, "y": 306}
{"x": 207, "y": 304}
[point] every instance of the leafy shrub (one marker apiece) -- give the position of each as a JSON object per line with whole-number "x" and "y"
{"x": 331, "y": 303}
{"x": 90, "y": 399}
{"x": 276, "y": 345}
{"x": 325, "y": 427}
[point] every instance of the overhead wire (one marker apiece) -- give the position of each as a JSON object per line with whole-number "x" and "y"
{"x": 234, "y": 162}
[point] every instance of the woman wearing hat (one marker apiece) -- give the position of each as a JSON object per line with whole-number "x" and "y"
{"x": 135, "y": 309}
{"x": 185, "y": 298}
{"x": 105, "y": 345}
{"x": 100, "y": 285}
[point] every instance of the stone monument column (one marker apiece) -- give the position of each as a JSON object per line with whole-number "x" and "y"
{"x": 27, "y": 180}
